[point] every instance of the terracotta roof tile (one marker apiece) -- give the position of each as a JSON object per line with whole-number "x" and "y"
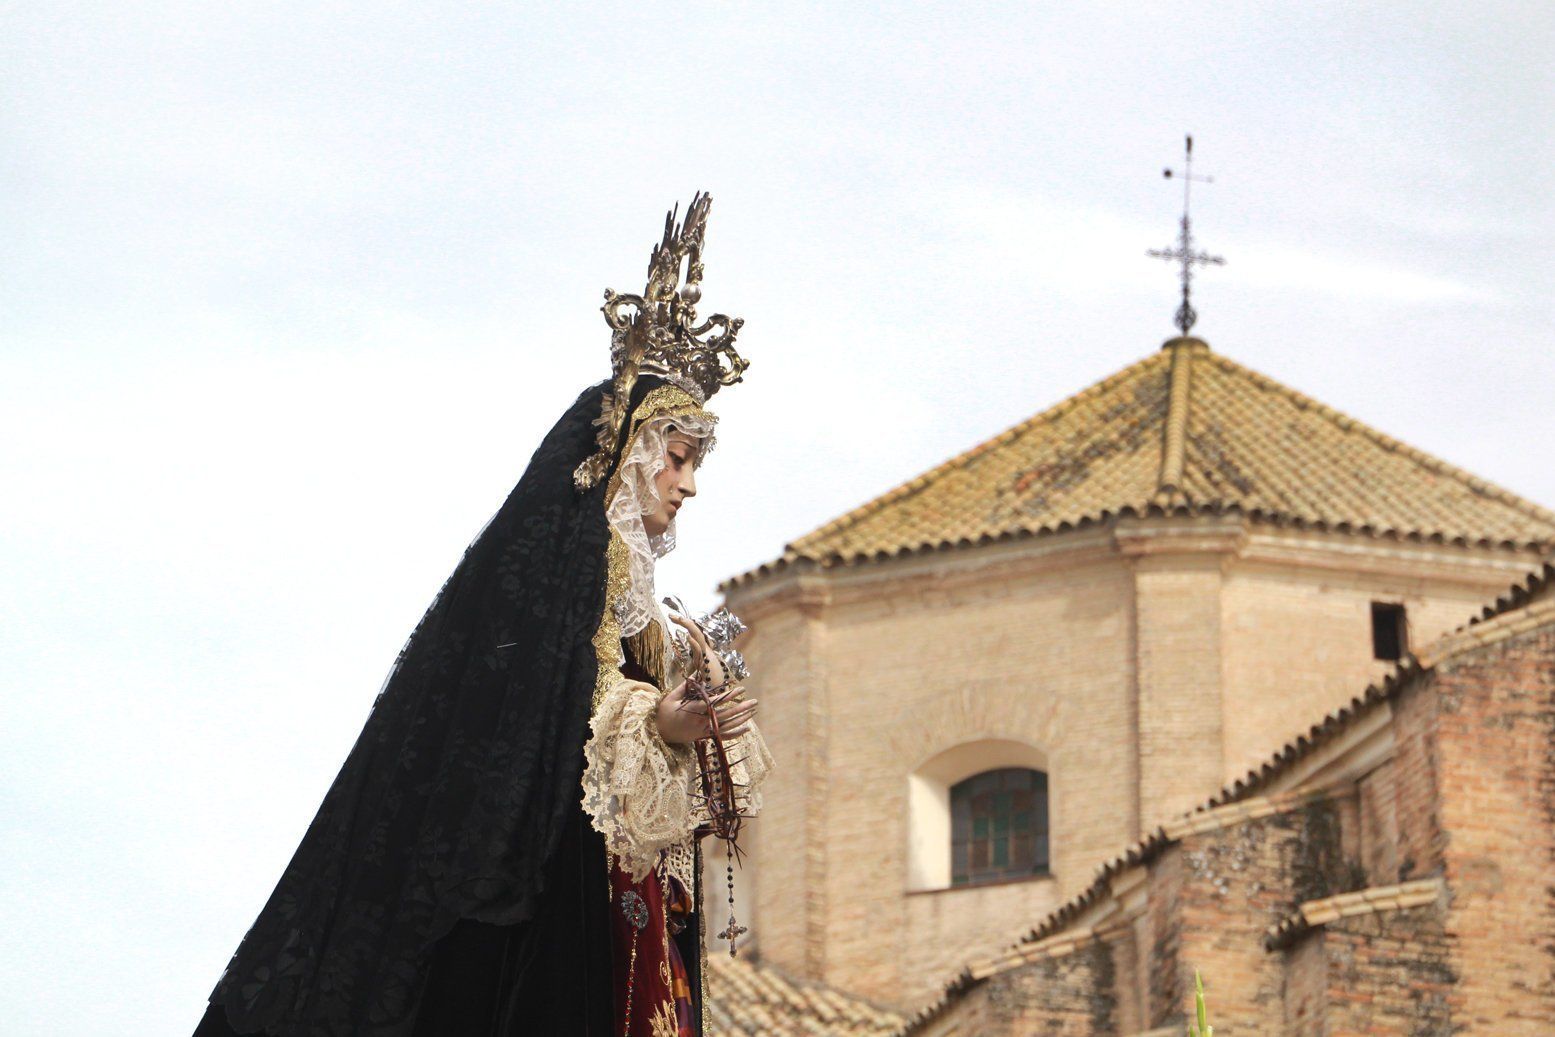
{"x": 1095, "y": 450}
{"x": 1312, "y": 913}
{"x": 747, "y": 999}
{"x": 1214, "y": 436}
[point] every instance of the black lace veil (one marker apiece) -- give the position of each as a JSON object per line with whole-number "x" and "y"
{"x": 466, "y": 777}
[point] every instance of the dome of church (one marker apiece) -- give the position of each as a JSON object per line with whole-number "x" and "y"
{"x": 1185, "y": 430}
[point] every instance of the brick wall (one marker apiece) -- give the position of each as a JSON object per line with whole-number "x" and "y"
{"x": 782, "y": 912}
{"x": 1467, "y": 796}
{"x": 1071, "y": 995}
{"x": 934, "y": 666}
{"x": 1235, "y": 883}
{"x": 1177, "y": 602}
{"x": 1163, "y": 942}
{"x": 1385, "y": 973}
{"x": 1378, "y": 852}
{"x": 1212, "y": 897}
{"x": 1111, "y": 663}
{"x": 1495, "y": 739}
{"x": 1298, "y": 642}
{"x": 1305, "y": 996}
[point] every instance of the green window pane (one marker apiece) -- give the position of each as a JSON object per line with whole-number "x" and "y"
{"x": 999, "y": 822}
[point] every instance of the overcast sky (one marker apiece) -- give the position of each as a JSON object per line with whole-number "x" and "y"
{"x": 291, "y": 290}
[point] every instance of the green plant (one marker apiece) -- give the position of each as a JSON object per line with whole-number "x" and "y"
{"x": 1203, "y": 1029}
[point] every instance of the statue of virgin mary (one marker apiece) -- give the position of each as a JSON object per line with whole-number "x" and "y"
{"x": 512, "y": 844}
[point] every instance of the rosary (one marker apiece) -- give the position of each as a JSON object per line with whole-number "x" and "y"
{"x": 720, "y": 791}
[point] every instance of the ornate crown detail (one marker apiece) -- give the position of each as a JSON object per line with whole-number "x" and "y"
{"x": 657, "y": 333}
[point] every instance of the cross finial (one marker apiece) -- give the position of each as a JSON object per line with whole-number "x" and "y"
{"x": 1184, "y": 253}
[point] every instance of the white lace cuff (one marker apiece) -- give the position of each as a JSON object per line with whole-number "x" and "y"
{"x": 636, "y": 787}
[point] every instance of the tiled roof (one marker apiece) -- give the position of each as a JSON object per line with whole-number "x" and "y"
{"x": 745, "y": 999}
{"x": 1184, "y": 429}
{"x": 1536, "y": 585}
{"x": 1372, "y": 900}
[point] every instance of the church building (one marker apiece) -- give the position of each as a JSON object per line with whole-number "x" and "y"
{"x": 1027, "y": 670}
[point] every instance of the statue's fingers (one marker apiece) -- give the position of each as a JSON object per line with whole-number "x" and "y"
{"x": 693, "y": 632}
{"x": 738, "y": 717}
{"x": 729, "y": 691}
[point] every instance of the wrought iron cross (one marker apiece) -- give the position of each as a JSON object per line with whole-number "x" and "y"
{"x": 1184, "y": 253}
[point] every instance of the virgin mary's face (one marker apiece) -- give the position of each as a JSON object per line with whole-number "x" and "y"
{"x": 675, "y": 484}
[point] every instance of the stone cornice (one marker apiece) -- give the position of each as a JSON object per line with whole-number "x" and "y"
{"x": 1230, "y": 541}
{"x": 1222, "y": 535}
{"x": 1003, "y": 563}
{"x": 1438, "y": 563}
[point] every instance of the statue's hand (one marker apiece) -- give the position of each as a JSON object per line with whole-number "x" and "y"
{"x": 700, "y": 650}
{"x": 683, "y": 719}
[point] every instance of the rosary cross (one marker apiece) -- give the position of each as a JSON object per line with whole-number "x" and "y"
{"x": 1184, "y": 253}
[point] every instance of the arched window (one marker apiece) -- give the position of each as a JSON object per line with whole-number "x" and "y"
{"x": 998, "y": 826}
{"x": 931, "y": 835}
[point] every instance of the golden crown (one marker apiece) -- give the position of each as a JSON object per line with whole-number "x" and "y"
{"x": 657, "y": 333}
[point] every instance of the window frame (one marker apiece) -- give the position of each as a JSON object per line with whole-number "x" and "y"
{"x": 928, "y": 806}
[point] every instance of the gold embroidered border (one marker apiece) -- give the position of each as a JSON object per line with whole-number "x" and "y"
{"x": 664, "y": 1022}
{"x": 647, "y": 647}
{"x": 607, "y": 636}
{"x": 699, "y": 907}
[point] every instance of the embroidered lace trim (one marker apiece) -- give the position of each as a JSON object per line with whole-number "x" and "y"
{"x": 639, "y": 790}
{"x": 680, "y": 860}
{"x": 636, "y": 787}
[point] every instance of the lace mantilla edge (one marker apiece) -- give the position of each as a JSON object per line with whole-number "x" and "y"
{"x": 663, "y": 401}
{"x": 636, "y": 496}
